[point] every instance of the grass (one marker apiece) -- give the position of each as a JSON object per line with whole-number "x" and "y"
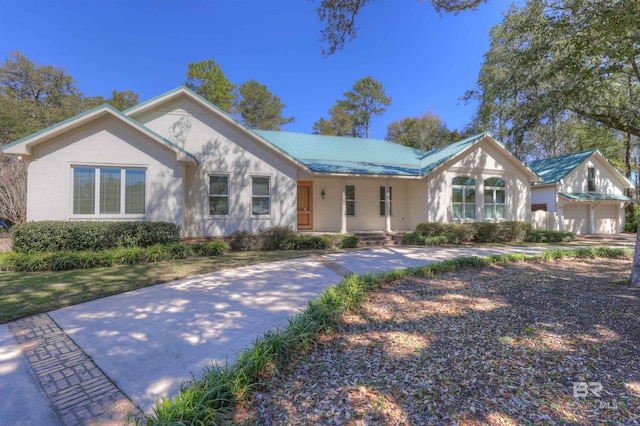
{"x": 28, "y": 293}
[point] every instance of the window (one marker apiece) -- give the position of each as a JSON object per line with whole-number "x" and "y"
{"x": 494, "y": 198}
{"x": 84, "y": 190}
{"x": 351, "y": 199}
{"x": 219, "y": 195}
{"x": 539, "y": 207}
{"x": 382, "y": 200}
{"x": 464, "y": 198}
{"x": 260, "y": 196}
{"x": 591, "y": 179}
{"x": 109, "y": 191}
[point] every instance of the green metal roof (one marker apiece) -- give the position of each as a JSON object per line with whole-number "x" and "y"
{"x": 338, "y": 154}
{"x": 587, "y": 196}
{"x": 552, "y": 170}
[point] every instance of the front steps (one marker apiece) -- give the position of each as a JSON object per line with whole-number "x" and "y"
{"x": 373, "y": 239}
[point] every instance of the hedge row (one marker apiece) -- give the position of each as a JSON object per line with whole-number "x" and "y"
{"x": 286, "y": 238}
{"x": 67, "y": 260}
{"x": 482, "y": 232}
{"x": 51, "y": 236}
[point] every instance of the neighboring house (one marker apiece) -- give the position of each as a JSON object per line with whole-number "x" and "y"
{"x": 178, "y": 158}
{"x": 581, "y": 193}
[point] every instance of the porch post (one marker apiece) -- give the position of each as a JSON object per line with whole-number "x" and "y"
{"x": 621, "y": 218}
{"x": 387, "y": 208}
{"x": 560, "y": 219}
{"x": 592, "y": 219}
{"x": 343, "y": 207}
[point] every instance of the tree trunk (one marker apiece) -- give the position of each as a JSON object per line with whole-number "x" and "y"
{"x": 635, "y": 270}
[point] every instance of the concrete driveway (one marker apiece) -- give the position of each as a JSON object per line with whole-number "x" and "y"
{"x": 147, "y": 342}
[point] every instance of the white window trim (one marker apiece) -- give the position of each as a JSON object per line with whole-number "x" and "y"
{"x": 270, "y": 197}
{"x": 209, "y": 195}
{"x": 464, "y": 202}
{"x": 347, "y": 201}
{"x": 494, "y": 204}
{"x": 96, "y": 207}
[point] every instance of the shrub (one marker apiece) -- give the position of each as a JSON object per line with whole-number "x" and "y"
{"x": 210, "y": 248}
{"x": 631, "y": 219}
{"x": 414, "y": 238}
{"x": 243, "y": 240}
{"x": 464, "y": 232}
{"x": 436, "y": 241}
{"x": 51, "y": 236}
{"x": 549, "y": 236}
{"x": 273, "y": 238}
{"x": 486, "y": 232}
{"x": 500, "y": 232}
{"x": 305, "y": 242}
{"x": 350, "y": 241}
{"x": 431, "y": 229}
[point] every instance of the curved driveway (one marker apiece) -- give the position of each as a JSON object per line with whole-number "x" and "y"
{"x": 150, "y": 340}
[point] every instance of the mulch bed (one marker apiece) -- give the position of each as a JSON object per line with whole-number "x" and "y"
{"x": 522, "y": 343}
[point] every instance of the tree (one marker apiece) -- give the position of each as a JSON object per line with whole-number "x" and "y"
{"x": 549, "y": 59}
{"x": 33, "y": 97}
{"x": 424, "y": 132}
{"x": 207, "y": 79}
{"x": 339, "y": 17}
{"x": 338, "y": 124}
{"x": 13, "y": 189}
{"x": 259, "y": 108}
{"x": 365, "y": 99}
{"x": 123, "y": 100}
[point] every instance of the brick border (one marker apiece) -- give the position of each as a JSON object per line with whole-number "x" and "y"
{"x": 79, "y": 392}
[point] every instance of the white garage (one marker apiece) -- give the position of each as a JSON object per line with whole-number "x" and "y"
{"x": 576, "y": 218}
{"x": 607, "y": 217}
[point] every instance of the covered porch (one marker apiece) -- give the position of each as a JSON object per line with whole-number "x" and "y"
{"x": 360, "y": 205}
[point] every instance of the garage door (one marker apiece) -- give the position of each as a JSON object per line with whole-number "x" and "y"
{"x": 606, "y": 219}
{"x": 576, "y": 219}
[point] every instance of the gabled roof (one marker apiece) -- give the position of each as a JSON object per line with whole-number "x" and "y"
{"x": 552, "y": 170}
{"x": 347, "y": 155}
{"x": 23, "y": 146}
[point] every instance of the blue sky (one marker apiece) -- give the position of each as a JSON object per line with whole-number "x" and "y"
{"x": 425, "y": 61}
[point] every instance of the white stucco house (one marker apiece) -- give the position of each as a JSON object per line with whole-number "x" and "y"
{"x": 178, "y": 158}
{"x": 582, "y": 193}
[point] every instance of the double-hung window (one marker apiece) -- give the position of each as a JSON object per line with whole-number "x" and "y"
{"x": 591, "y": 179}
{"x": 382, "y": 201}
{"x": 108, "y": 191}
{"x": 464, "y": 198}
{"x": 260, "y": 196}
{"x": 494, "y": 198}
{"x": 350, "y": 191}
{"x": 218, "y": 195}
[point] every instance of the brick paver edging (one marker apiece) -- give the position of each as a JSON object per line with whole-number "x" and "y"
{"x": 79, "y": 392}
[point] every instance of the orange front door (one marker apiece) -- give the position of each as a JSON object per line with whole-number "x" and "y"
{"x": 305, "y": 204}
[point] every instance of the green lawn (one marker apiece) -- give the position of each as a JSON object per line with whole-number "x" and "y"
{"x": 29, "y": 293}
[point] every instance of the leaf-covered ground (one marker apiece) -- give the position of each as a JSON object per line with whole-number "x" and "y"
{"x": 505, "y": 344}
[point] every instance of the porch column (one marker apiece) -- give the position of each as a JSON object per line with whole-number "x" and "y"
{"x": 560, "y": 215}
{"x": 343, "y": 207}
{"x": 621, "y": 218}
{"x": 387, "y": 208}
{"x": 592, "y": 219}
